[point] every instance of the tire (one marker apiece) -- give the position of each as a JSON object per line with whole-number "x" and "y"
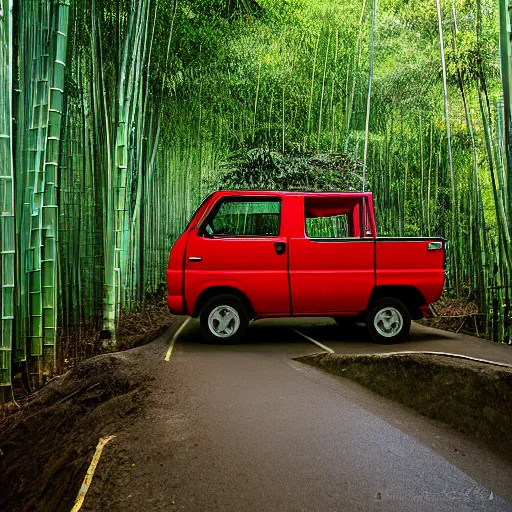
{"x": 217, "y": 308}
{"x": 388, "y": 321}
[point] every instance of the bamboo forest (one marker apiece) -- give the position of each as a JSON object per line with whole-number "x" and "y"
{"x": 120, "y": 116}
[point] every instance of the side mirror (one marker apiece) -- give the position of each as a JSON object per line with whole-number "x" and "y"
{"x": 206, "y": 231}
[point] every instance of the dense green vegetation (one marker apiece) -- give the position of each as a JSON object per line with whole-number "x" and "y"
{"x": 119, "y": 116}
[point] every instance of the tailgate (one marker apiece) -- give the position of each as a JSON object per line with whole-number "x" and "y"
{"x": 418, "y": 262}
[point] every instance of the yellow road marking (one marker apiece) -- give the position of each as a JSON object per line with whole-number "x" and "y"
{"x": 90, "y": 473}
{"x": 175, "y": 337}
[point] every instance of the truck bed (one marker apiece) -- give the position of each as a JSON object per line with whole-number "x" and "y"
{"x": 407, "y": 261}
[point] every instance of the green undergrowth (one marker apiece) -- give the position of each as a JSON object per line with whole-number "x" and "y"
{"x": 473, "y": 398}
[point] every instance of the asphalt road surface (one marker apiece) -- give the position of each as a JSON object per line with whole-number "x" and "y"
{"x": 247, "y": 428}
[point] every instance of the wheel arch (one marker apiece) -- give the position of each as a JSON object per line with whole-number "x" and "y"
{"x": 207, "y": 294}
{"x": 409, "y": 295}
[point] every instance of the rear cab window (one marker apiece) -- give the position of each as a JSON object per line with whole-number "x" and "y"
{"x": 335, "y": 217}
{"x": 244, "y": 217}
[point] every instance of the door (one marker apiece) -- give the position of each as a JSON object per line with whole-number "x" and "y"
{"x": 332, "y": 267}
{"x": 240, "y": 245}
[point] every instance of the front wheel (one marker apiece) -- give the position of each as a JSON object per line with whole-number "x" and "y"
{"x": 388, "y": 321}
{"x": 223, "y": 319}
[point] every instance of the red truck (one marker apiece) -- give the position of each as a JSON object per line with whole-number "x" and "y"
{"x": 249, "y": 254}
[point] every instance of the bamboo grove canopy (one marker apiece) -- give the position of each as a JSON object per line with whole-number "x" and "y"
{"x": 120, "y": 116}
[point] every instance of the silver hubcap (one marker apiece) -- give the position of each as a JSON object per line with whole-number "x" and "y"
{"x": 388, "y": 322}
{"x": 224, "y": 321}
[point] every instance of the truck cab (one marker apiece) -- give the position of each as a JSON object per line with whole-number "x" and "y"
{"x": 258, "y": 254}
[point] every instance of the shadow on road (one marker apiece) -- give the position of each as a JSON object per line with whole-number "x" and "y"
{"x": 272, "y": 338}
{"x": 357, "y": 333}
{"x": 273, "y": 333}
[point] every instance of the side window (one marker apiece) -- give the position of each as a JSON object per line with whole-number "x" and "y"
{"x": 332, "y": 217}
{"x": 327, "y": 227}
{"x": 245, "y": 218}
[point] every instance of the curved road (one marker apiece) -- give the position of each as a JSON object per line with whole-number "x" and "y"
{"x": 246, "y": 428}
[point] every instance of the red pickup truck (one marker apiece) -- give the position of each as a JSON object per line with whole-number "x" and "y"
{"x": 249, "y": 255}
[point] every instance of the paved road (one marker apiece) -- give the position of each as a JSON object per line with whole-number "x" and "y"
{"x": 354, "y": 340}
{"x": 246, "y": 428}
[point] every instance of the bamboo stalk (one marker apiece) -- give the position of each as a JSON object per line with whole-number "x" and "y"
{"x": 256, "y": 102}
{"x": 356, "y": 66}
{"x": 313, "y": 71}
{"x": 333, "y": 87}
{"x": 369, "y": 95}
{"x": 422, "y": 178}
{"x": 323, "y": 92}
{"x": 453, "y": 201}
{"x": 7, "y": 199}
{"x": 506, "y": 78}
{"x": 49, "y": 262}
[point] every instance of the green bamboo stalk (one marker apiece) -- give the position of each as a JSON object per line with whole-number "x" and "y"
{"x": 49, "y": 261}
{"x": 35, "y": 74}
{"x": 504, "y": 226}
{"x": 369, "y": 95}
{"x": 323, "y": 92}
{"x": 7, "y": 204}
{"x": 117, "y": 230}
{"x": 453, "y": 200}
{"x": 333, "y": 88}
{"x": 498, "y": 202}
{"x": 500, "y": 159}
{"x": 506, "y": 78}
{"x": 480, "y": 269}
{"x": 256, "y": 102}
{"x": 422, "y": 177}
{"x": 313, "y": 72}
{"x": 134, "y": 294}
{"x": 135, "y": 116}
{"x": 356, "y": 67}
{"x": 270, "y": 117}
{"x": 347, "y": 98}
{"x": 283, "y": 125}
{"x": 21, "y": 196}
{"x": 431, "y": 153}
{"x": 100, "y": 113}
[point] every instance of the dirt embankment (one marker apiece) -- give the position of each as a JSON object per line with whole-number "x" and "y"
{"x": 140, "y": 327}
{"x": 47, "y": 445}
{"x": 472, "y": 397}
{"x": 135, "y": 328}
{"x": 457, "y": 315}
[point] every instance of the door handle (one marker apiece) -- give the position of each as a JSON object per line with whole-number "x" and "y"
{"x": 195, "y": 258}
{"x": 280, "y": 247}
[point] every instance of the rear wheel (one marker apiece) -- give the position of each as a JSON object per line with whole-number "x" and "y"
{"x": 388, "y": 321}
{"x": 223, "y": 319}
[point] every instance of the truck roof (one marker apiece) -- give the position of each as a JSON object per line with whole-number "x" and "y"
{"x": 288, "y": 193}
